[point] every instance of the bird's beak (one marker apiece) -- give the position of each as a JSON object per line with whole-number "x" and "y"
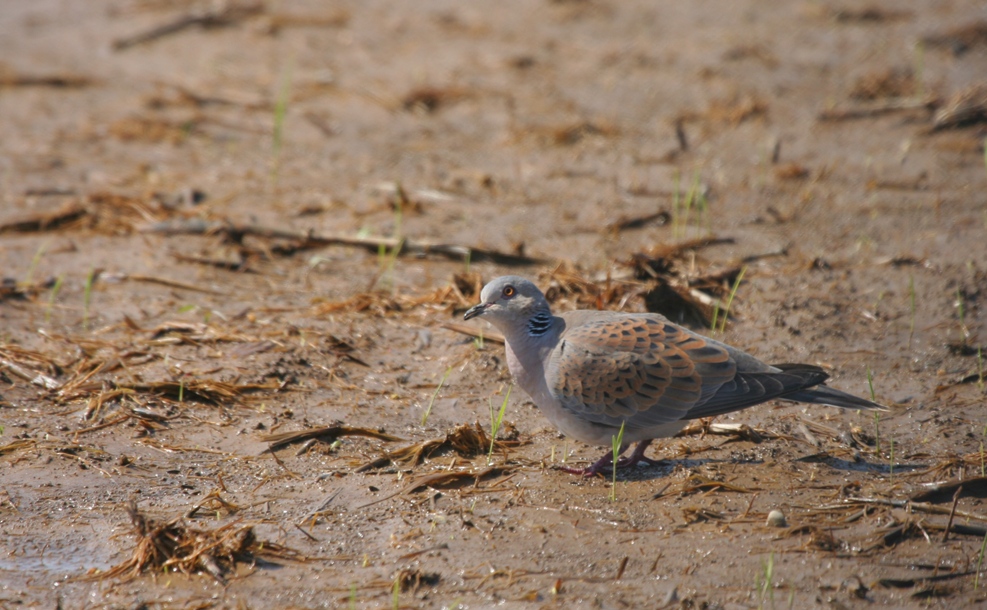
{"x": 476, "y": 310}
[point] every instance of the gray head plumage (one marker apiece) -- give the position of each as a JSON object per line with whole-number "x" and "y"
{"x": 508, "y": 302}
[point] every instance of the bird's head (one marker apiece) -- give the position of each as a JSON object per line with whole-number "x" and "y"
{"x": 509, "y": 302}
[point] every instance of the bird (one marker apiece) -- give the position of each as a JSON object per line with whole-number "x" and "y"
{"x": 595, "y": 373}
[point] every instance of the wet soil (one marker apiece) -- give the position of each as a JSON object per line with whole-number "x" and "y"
{"x": 213, "y": 232}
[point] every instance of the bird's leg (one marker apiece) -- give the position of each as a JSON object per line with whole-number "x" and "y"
{"x": 604, "y": 464}
{"x": 638, "y": 456}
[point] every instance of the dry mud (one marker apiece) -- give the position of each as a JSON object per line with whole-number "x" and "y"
{"x": 180, "y": 242}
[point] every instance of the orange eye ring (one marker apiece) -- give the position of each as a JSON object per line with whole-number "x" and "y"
{"x": 509, "y": 292}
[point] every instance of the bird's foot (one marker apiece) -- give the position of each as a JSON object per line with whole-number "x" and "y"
{"x": 605, "y": 463}
{"x": 601, "y": 466}
{"x": 637, "y": 457}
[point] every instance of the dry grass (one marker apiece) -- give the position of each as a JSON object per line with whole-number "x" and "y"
{"x": 465, "y": 440}
{"x": 172, "y": 546}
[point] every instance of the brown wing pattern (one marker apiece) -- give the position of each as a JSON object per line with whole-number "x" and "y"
{"x": 641, "y": 369}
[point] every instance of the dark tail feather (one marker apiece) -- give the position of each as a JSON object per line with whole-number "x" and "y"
{"x": 825, "y": 395}
{"x": 798, "y": 382}
{"x": 749, "y": 389}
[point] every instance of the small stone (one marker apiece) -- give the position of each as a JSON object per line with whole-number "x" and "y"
{"x": 776, "y": 518}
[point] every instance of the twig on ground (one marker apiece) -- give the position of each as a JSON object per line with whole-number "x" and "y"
{"x": 34, "y": 377}
{"x": 924, "y": 507}
{"x": 403, "y": 246}
{"x": 328, "y": 433}
{"x": 864, "y": 111}
{"x": 472, "y": 331}
{"x": 222, "y": 15}
{"x": 442, "y": 479}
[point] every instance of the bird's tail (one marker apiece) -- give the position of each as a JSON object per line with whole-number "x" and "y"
{"x": 825, "y": 395}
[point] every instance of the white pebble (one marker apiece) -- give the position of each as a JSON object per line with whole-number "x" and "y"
{"x": 776, "y": 518}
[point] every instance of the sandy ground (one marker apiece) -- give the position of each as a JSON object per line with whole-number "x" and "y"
{"x": 182, "y": 276}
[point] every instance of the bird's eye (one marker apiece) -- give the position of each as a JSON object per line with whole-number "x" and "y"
{"x": 508, "y": 292}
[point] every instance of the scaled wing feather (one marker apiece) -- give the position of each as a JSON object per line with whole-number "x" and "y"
{"x": 637, "y": 369}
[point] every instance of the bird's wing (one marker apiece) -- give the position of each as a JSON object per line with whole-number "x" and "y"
{"x": 638, "y": 369}
{"x": 751, "y": 388}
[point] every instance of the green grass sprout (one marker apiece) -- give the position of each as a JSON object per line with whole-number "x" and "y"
{"x": 705, "y": 219}
{"x": 980, "y": 368}
{"x": 396, "y": 592}
{"x": 87, "y": 294}
{"x": 687, "y": 205}
{"x": 392, "y": 260}
{"x": 690, "y": 202}
{"x": 911, "y": 303}
{"x": 980, "y": 563}
{"x": 961, "y": 313}
{"x": 877, "y": 414}
{"x": 616, "y": 442}
{"x": 682, "y": 207}
{"x": 280, "y": 113}
{"x": 762, "y": 582}
{"x": 387, "y": 258}
{"x": 676, "y": 195}
{"x": 877, "y": 432}
{"x": 52, "y": 296}
{"x": 496, "y": 420}
{"x": 435, "y": 395}
{"x": 729, "y": 303}
{"x": 400, "y": 200}
{"x": 35, "y": 261}
{"x": 891, "y": 461}
{"x": 870, "y": 384}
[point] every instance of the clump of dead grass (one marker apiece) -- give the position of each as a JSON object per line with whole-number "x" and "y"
{"x": 103, "y": 212}
{"x": 960, "y": 39}
{"x": 430, "y": 99}
{"x": 465, "y": 440}
{"x": 732, "y": 111}
{"x": 411, "y": 579}
{"x": 889, "y": 83}
{"x": 173, "y": 546}
{"x": 23, "y": 291}
{"x": 966, "y": 107}
{"x": 460, "y": 293}
{"x": 325, "y": 434}
{"x": 662, "y": 278}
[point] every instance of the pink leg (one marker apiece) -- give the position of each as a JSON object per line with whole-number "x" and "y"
{"x": 605, "y": 463}
{"x": 638, "y": 456}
